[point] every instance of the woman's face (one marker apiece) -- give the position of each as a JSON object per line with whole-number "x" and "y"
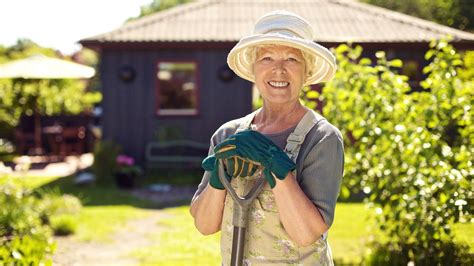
{"x": 279, "y": 73}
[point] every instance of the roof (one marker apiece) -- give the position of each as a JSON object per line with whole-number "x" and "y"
{"x": 229, "y": 20}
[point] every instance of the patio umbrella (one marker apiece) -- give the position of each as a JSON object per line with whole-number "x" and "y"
{"x": 42, "y": 67}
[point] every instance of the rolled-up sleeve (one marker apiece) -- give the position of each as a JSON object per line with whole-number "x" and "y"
{"x": 206, "y": 176}
{"x": 322, "y": 172}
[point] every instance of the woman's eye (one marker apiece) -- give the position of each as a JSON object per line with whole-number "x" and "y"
{"x": 292, "y": 59}
{"x": 266, "y": 58}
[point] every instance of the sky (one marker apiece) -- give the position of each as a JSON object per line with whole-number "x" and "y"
{"x": 59, "y": 24}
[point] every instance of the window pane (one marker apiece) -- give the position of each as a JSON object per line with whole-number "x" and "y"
{"x": 177, "y": 88}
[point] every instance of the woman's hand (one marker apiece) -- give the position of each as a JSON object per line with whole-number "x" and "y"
{"x": 240, "y": 167}
{"x": 254, "y": 147}
{"x": 235, "y": 167}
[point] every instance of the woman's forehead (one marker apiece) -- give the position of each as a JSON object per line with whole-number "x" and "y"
{"x": 278, "y": 49}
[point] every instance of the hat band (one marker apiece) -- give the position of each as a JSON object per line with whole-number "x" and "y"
{"x": 285, "y": 32}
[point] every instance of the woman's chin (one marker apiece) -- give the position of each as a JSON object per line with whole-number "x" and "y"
{"x": 278, "y": 99}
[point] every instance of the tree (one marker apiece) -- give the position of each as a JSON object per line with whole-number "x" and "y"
{"x": 454, "y": 13}
{"x": 158, "y": 5}
{"x": 21, "y": 97}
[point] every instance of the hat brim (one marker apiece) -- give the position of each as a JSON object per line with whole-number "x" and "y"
{"x": 323, "y": 69}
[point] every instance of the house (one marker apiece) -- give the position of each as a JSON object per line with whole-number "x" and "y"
{"x": 167, "y": 73}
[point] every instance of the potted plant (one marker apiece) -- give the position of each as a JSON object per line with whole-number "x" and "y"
{"x": 127, "y": 171}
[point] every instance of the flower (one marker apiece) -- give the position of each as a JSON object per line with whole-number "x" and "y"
{"x": 126, "y": 165}
{"x": 124, "y": 160}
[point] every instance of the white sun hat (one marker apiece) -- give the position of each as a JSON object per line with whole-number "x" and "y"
{"x": 283, "y": 28}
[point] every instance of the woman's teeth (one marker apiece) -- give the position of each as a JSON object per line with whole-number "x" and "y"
{"x": 279, "y": 83}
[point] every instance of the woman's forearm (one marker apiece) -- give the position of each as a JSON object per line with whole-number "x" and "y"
{"x": 299, "y": 216}
{"x": 207, "y": 210}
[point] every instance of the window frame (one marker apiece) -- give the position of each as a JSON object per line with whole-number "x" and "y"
{"x": 177, "y": 112}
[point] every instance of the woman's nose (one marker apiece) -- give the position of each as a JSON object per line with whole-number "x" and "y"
{"x": 279, "y": 67}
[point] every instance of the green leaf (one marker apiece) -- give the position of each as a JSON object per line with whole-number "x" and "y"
{"x": 429, "y": 54}
{"x": 396, "y": 63}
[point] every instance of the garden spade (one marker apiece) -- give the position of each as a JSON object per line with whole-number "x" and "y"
{"x": 240, "y": 215}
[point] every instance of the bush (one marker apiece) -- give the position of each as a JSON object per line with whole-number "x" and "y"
{"x": 26, "y": 250}
{"x": 64, "y": 224}
{"x": 26, "y": 221}
{"x": 105, "y": 165}
{"x": 408, "y": 152}
{"x": 392, "y": 254}
{"x": 26, "y": 240}
{"x": 53, "y": 203}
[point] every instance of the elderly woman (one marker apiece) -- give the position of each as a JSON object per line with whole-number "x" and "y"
{"x": 300, "y": 152}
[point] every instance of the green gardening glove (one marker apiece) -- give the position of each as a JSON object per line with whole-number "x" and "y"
{"x": 255, "y": 147}
{"x": 236, "y": 166}
{"x": 212, "y": 165}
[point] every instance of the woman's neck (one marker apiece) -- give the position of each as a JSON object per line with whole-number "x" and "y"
{"x": 274, "y": 118}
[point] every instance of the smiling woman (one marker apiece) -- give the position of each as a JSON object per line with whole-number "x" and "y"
{"x": 295, "y": 151}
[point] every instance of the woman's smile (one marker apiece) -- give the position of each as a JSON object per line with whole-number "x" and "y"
{"x": 279, "y": 84}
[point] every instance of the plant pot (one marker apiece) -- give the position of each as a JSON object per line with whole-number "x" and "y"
{"x": 125, "y": 181}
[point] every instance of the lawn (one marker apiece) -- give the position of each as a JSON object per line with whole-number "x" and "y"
{"x": 106, "y": 209}
{"x": 181, "y": 243}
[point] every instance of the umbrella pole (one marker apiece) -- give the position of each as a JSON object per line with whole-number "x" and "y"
{"x": 37, "y": 134}
{"x": 38, "y": 142}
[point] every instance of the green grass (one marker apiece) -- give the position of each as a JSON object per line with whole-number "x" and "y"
{"x": 348, "y": 233}
{"x": 180, "y": 243}
{"x": 99, "y": 223}
{"x": 28, "y": 181}
{"x": 106, "y": 209}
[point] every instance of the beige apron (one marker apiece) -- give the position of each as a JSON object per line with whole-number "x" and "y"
{"x": 266, "y": 240}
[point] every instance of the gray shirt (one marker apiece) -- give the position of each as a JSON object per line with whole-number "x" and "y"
{"x": 320, "y": 163}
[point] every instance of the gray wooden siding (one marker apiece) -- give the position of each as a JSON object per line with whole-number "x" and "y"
{"x": 129, "y": 115}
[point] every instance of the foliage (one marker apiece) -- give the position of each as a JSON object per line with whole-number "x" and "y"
{"x": 105, "y": 164}
{"x": 27, "y": 219}
{"x": 158, "y": 5}
{"x": 27, "y": 250}
{"x": 399, "y": 152}
{"x": 54, "y": 204}
{"x": 454, "y": 13}
{"x": 25, "y": 96}
{"x": 26, "y": 239}
{"x": 64, "y": 224}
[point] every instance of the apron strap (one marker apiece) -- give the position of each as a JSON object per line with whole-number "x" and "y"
{"x": 297, "y": 137}
{"x": 246, "y": 122}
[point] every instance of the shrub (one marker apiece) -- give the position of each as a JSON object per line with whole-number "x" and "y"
{"x": 26, "y": 250}
{"x": 105, "y": 165}
{"x": 53, "y": 203}
{"x": 25, "y": 239}
{"x": 26, "y": 220}
{"x": 64, "y": 224}
{"x": 400, "y": 150}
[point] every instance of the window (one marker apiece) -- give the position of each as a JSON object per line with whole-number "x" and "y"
{"x": 177, "y": 88}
